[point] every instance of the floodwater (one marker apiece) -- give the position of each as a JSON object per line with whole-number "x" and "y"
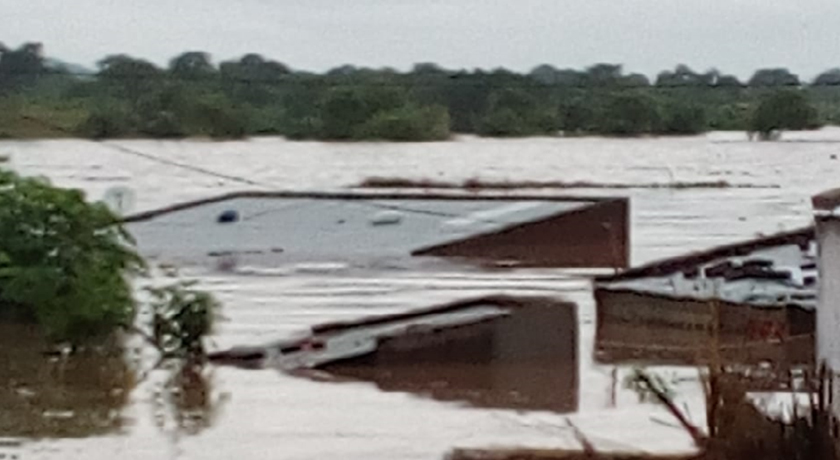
{"x": 270, "y": 414}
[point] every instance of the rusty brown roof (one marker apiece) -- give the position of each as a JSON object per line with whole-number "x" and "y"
{"x": 826, "y": 201}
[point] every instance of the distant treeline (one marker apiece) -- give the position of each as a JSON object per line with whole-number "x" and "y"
{"x": 131, "y": 97}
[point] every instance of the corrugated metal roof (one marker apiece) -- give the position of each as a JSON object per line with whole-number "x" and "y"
{"x": 778, "y": 273}
{"x": 302, "y": 229}
{"x": 364, "y": 338}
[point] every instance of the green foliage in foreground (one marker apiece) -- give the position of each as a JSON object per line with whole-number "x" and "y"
{"x": 181, "y": 317}
{"x": 64, "y": 263}
{"x": 67, "y": 266}
{"x": 192, "y": 96}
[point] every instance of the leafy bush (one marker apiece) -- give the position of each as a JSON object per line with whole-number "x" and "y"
{"x": 64, "y": 263}
{"x": 181, "y": 317}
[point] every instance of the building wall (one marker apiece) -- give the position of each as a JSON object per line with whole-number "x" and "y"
{"x": 527, "y": 360}
{"x": 596, "y": 236}
{"x": 633, "y": 326}
{"x": 828, "y": 309}
{"x": 828, "y": 312}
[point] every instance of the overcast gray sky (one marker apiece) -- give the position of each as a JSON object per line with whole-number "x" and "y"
{"x": 736, "y": 36}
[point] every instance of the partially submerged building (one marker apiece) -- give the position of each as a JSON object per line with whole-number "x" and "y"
{"x": 752, "y": 301}
{"x": 282, "y": 227}
{"x": 498, "y": 351}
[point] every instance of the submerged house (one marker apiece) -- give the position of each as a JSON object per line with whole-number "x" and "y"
{"x": 497, "y": 351}
{"x": 756, "y": 300}
{"x": 454, "y": 336}
{"x": 285, "y": 227}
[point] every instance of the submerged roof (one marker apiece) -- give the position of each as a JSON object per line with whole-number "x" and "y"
{"x": 776, "y": 270}
{"x": 310, "y": 226}
{"x": 338, "y": 341}
{"x": 826, "y": 201}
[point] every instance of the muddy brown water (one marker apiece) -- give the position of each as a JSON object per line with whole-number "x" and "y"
{"x": 270, "y": 414}
{"x": 49, "y": 397}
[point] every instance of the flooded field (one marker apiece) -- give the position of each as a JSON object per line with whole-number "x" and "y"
{"x": 271, "y": 414}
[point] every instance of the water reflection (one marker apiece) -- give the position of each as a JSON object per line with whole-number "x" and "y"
{"x": 184, "y": 399}
{"x": 44, "y": 397}
{"x": 526, "y": 361}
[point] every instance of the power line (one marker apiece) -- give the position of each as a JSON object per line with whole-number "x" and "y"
{"x": 243, "y": 180}
{"x": 168, "y": 162}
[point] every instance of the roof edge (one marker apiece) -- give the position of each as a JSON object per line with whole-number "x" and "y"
{"x": 826, "y": 201}
{"x": 683, "y": 298}
{"x": 498, "y": 300}
{"x": 674, "y": 264}
{"x": 148, "y": 215}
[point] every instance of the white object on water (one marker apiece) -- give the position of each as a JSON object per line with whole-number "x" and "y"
{"x": 387, "y": 218}
{"x": 120, "y": 199}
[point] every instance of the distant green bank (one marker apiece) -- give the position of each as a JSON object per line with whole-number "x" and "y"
{"x": 127, "y": 97}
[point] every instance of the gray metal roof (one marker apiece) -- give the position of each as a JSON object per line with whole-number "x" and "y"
{"x": 787, "y": 276}
{"x": 363, "y": 339}
{"x": 318, "y": 229}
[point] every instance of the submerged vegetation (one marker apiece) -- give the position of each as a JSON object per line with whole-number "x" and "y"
{"x": 67, "y": 305}
{"x": 64, "y": 263}
{"x": 192, "y": 96}
{"x": 68, "y": 268}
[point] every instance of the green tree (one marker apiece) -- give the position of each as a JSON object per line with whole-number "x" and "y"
{"x": 301, "y": 118}
{"x": 346, "y": 108}
{"x": 604, "y": 74}
{"x": 122, "y": 67}
{"x": 682, "y": 118}
{"x": 515, "y": 112}
{"x": 783, "y": 110}
{"x": 219, "y": 118}
{"x": 254, "y": 68}
{"x": 727, "y": 81}
{"x": 576, "y": 114}
{"x": 628, "y": 114}
{"x": 546, "y": 74}
{"x": 106, "y": 123}
{"x": 342, "y": 112}
{"x": 635, "y": 80}
{"x": 64, "y": 264}
{"x": 22, "y": 66}
{"x": 730, "y": 117}
{"x": 192, "y": 65}
{"x": 773, "y": 78}
{"x": 129, "y": 78}
{"x": 682, "y": 76}
{"x": 828, "y": 78}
